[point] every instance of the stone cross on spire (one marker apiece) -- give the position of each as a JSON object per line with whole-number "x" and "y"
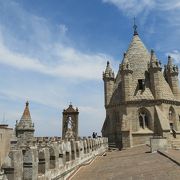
{"x": 135, "y": 27}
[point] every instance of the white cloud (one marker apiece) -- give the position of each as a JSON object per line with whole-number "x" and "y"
{"x": 44, "y": 50}
{"x": 135, "y": 7}
{"x": 70, "y": 63}
{"x": 132, "y": 7}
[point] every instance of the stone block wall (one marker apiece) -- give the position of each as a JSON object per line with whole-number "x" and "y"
{"x": 141, "y": 138}
{"x": 55, "y": 159}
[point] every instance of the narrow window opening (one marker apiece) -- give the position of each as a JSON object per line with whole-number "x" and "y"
{"x": 141, "y": 121}
{"x": 146, "y": 121}
{"x": 141, "y": 84}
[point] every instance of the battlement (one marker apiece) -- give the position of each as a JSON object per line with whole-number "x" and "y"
{"x": 51, "y": 158}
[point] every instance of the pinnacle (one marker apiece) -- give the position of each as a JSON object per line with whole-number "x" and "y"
{"x": 170, "y": 61}
{"x": 108, "y": 71}
{"x": 26, "y": 114}
{"x": 153, "y": 56}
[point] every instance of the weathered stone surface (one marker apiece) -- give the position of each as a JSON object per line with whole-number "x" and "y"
{"x": 135, "y": 163}
{"x": 158, "y": 143}
{"x": 5, "y": 136}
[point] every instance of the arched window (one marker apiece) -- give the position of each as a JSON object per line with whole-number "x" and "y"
{"x": 144, "y": 119}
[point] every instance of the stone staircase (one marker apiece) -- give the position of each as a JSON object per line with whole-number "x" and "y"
{"x": 175, "y": 144}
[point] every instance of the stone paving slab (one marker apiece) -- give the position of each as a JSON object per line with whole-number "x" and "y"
{"x": 172, "y": 154}
{"x": 131, "y": 164}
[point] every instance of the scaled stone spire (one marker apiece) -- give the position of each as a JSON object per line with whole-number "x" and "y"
{"x": 26, "y": 114}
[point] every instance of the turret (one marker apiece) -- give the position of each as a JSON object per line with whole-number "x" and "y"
{"x": 108, "y": 78}
{"x": 155, "y": 76}
{"x": 126, "y": 76}
{"x": 171, "y": 75}
{"x": 25, "y": 127}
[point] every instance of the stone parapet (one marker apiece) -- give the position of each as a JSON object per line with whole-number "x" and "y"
{"x": 51, "y": 160}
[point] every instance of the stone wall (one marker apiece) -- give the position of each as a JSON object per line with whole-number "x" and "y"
{"x": 141, "y": 138}
{"x": 55, "y": 159}
{"x": 5, "y": 136}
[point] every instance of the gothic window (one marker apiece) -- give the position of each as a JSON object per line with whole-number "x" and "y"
{"x": 143, "y": 120}
{"x": 141, "y": 84}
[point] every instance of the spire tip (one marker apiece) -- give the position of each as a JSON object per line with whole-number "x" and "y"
{"x": 135, "y": 27}
{"x": 27, "y": 103}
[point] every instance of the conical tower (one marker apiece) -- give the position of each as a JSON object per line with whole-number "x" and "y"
{"x": 25, "y": 127}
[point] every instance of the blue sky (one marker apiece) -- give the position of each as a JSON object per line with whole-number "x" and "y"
{"x": 54, "y": 52}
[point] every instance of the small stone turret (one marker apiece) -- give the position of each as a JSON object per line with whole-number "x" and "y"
{"x": 126, "y": 73}
{"x": 171, "y": 75}
{"x": 108, "y": 78}
{"x": 25, "y": 127}
{"x": 156, "y": 76}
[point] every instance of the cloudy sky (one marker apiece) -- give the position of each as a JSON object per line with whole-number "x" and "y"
{"x": 53, "y": 52}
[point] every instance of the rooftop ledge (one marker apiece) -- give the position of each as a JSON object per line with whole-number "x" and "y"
{"x": 143, "y": 131}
